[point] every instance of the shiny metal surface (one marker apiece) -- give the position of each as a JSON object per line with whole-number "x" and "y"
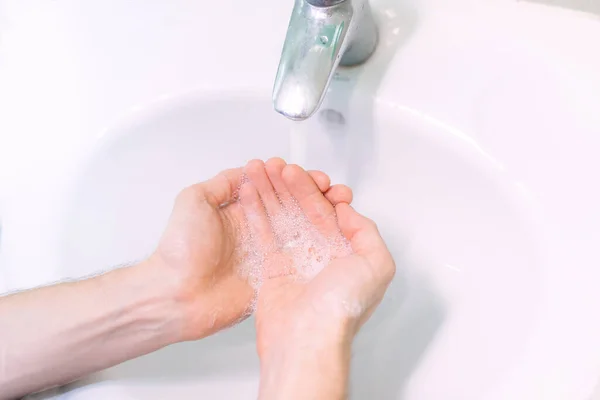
{"x": 321, "y": 35}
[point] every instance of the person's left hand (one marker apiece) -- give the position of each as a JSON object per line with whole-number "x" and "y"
{"x": 196, "y": 256}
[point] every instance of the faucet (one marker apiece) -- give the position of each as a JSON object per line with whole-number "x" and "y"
{"x": 322, "y": 34}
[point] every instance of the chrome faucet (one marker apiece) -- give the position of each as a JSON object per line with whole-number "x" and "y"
{"x": 322, "y": 34}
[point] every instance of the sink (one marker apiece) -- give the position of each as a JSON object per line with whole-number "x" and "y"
{"x": 472, "y": 146}
{"x": 450, "y": 297}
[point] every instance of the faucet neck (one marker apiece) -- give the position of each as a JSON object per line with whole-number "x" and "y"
{"x": 321, "y": 35}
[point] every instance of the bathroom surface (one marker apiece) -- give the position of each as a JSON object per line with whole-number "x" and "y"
{"x": 470, "y": 136}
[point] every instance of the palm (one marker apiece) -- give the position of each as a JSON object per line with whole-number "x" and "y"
{"x": 347, "y": 288}
{"x": 198, "y": 247}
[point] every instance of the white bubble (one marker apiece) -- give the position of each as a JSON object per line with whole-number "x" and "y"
{"x": 295, "y": 239}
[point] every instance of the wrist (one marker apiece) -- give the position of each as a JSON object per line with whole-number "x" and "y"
{"x": 310, "y": 331}
{"x": 296, "y": 347}
{"x": 304, "y": 366}
{"x": 196, "y": 308}
{"x": 152, "y": 300}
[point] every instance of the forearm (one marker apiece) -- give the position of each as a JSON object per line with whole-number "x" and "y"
{"x": 56, "y": 334}
{"x": 312, "y": 371}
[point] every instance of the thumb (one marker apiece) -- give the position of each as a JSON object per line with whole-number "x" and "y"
{"x": 365, "y": 239}
{"x": 223, "y": 188}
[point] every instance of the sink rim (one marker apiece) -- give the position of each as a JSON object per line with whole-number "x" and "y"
{"x": 262, "y": 81}
{"x": 159, "y": 109}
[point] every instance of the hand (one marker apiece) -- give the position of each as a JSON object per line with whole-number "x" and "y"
{"x": 339, "y": 299}
{"x": 196, "y": 254}
{"x": 306, "y": 318}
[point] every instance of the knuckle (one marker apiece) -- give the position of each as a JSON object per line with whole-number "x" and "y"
{"x": 371, "y": 225}
{"x": 191, "y": 194}
{"x": 188, "y": 192}
{"x": 391, "y": 269}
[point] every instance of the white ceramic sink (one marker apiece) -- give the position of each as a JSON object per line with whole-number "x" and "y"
{"x": 471, "y": 137}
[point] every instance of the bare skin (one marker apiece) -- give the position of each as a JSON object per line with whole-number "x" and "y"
{"x": 189, "y": 289}
{"x": 305, "y": 328}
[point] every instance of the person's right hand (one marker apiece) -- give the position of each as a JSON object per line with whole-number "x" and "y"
{"x": 338, "y": 300}
{"x": 305, "y": 326}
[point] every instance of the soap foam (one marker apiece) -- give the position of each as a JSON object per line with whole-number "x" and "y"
{"x": 297, "y": 243}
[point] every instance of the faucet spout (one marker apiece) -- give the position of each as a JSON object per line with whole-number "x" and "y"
{"x": 322, "y": 34}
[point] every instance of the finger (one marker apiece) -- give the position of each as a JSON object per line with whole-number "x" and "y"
{"x": 365, "y": 239}
{"x": 222, "y": 188}
{"x": 274, "y": 168}
{"x": 339, "y": 194}
{"x": 256, "y": 173}
{"x": 321, "y": 179}
{"x": 316, "y": 207}
{"x": 256, "y": 216}
{"x": 352, "y": 223}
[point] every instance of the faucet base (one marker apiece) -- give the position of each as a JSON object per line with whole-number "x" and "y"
{"x": 364, "y": 39}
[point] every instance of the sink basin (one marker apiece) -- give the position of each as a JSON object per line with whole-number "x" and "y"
{"x": 461, "y": 232}
{"x": 472, "y": 146}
